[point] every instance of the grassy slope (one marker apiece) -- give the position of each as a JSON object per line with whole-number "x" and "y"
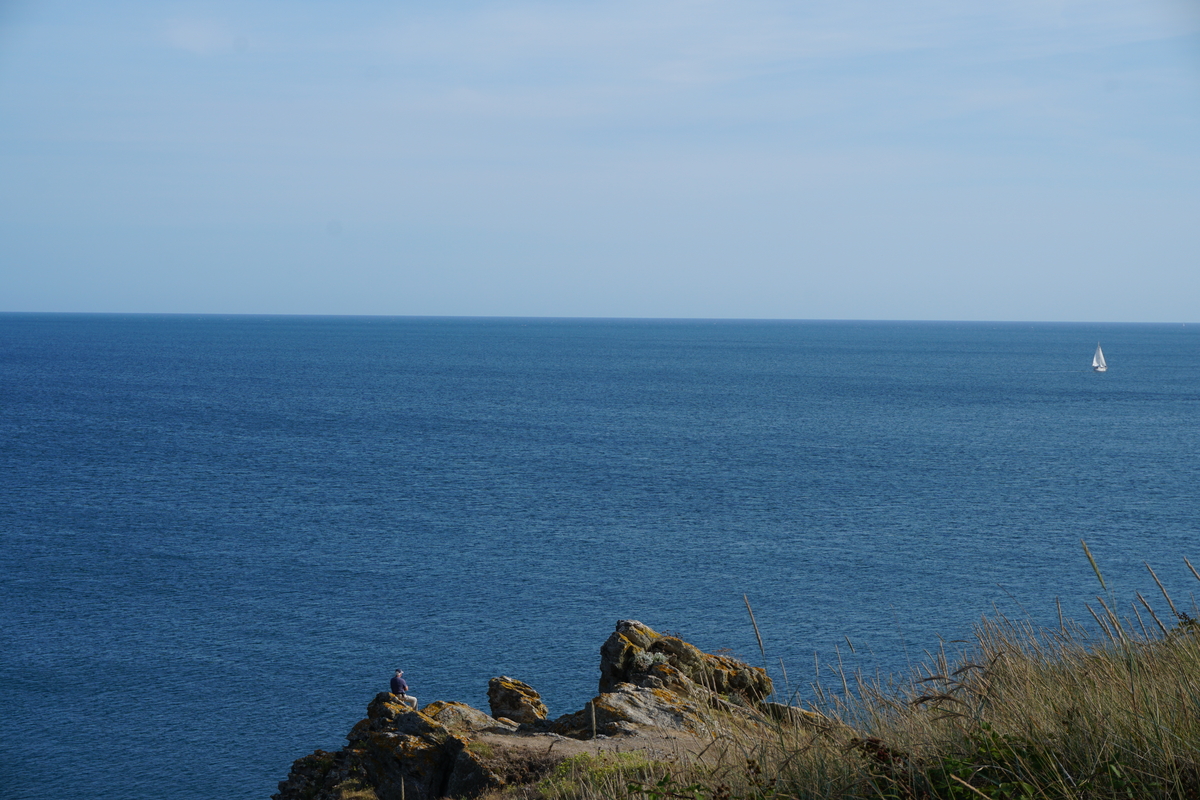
{"x": 1022, "y": 714}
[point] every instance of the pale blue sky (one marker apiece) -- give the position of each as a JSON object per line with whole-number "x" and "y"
{"x": 858, "y": 159}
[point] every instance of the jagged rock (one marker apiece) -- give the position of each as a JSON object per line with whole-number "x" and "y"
{"x": 632, "y": 652}
{"x": 515, "y": 700}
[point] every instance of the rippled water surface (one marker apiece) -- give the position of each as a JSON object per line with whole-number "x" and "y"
{"x": 220, "y": 535}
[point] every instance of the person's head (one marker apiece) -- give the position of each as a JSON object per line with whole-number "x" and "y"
{"x": 399, "y": 672}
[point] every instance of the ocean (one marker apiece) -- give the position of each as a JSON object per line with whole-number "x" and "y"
{"x": 220, "y": 535}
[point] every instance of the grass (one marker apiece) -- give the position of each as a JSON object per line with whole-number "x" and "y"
{"x": 600, "y": 775}
{"x": 1069, "y": 713}
{"x": 355, "y": 790}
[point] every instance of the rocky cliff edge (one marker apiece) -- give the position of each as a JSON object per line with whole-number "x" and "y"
{"x": 655, "y": 691}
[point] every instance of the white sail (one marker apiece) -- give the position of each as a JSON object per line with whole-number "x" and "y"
{"x": 1098, "y": 363}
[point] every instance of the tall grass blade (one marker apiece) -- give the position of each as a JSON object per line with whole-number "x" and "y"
{"x": 1102, "y": 623}
{"x": 1141, "y": 623}
{"x": 1116, "y": 623}
{"x": 1174, "y": 610}
{"x": 1092, "y": 561}
{"x": 757, "y": 635}
{"x": 1153, "y": 616}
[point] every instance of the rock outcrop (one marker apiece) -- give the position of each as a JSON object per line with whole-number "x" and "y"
{"x": 648, "y": 680}
{"x": 515, "y": 700}
{"x": 395, "y": 745}
{"x": 634, "y": 651}
{"x": 650, "y": 685}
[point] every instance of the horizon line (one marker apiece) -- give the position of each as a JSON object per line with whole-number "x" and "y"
{"x": 579, "y": 318}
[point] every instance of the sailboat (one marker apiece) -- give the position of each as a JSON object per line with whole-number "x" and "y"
{"x": 1098, "y": 363}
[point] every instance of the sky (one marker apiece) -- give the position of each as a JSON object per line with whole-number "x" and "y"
{"x": 849, "y": 159}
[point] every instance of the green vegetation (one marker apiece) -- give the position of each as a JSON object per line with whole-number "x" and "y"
{"x": 1020, "y": 714}
{"x": 600, "y": 775}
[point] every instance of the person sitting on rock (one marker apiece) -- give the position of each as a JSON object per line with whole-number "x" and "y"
{"x": 400, "y": 688}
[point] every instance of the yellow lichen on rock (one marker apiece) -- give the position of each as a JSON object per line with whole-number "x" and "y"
{"x": 515, "y": 700}
{"x": 635, "y": 652}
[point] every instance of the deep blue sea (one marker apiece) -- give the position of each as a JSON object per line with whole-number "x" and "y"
{"x": 220, "y": 535}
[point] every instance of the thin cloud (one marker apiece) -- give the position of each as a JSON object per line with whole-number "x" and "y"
{"x": 201, "y": 37}
{"x": 699, "y": 41}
